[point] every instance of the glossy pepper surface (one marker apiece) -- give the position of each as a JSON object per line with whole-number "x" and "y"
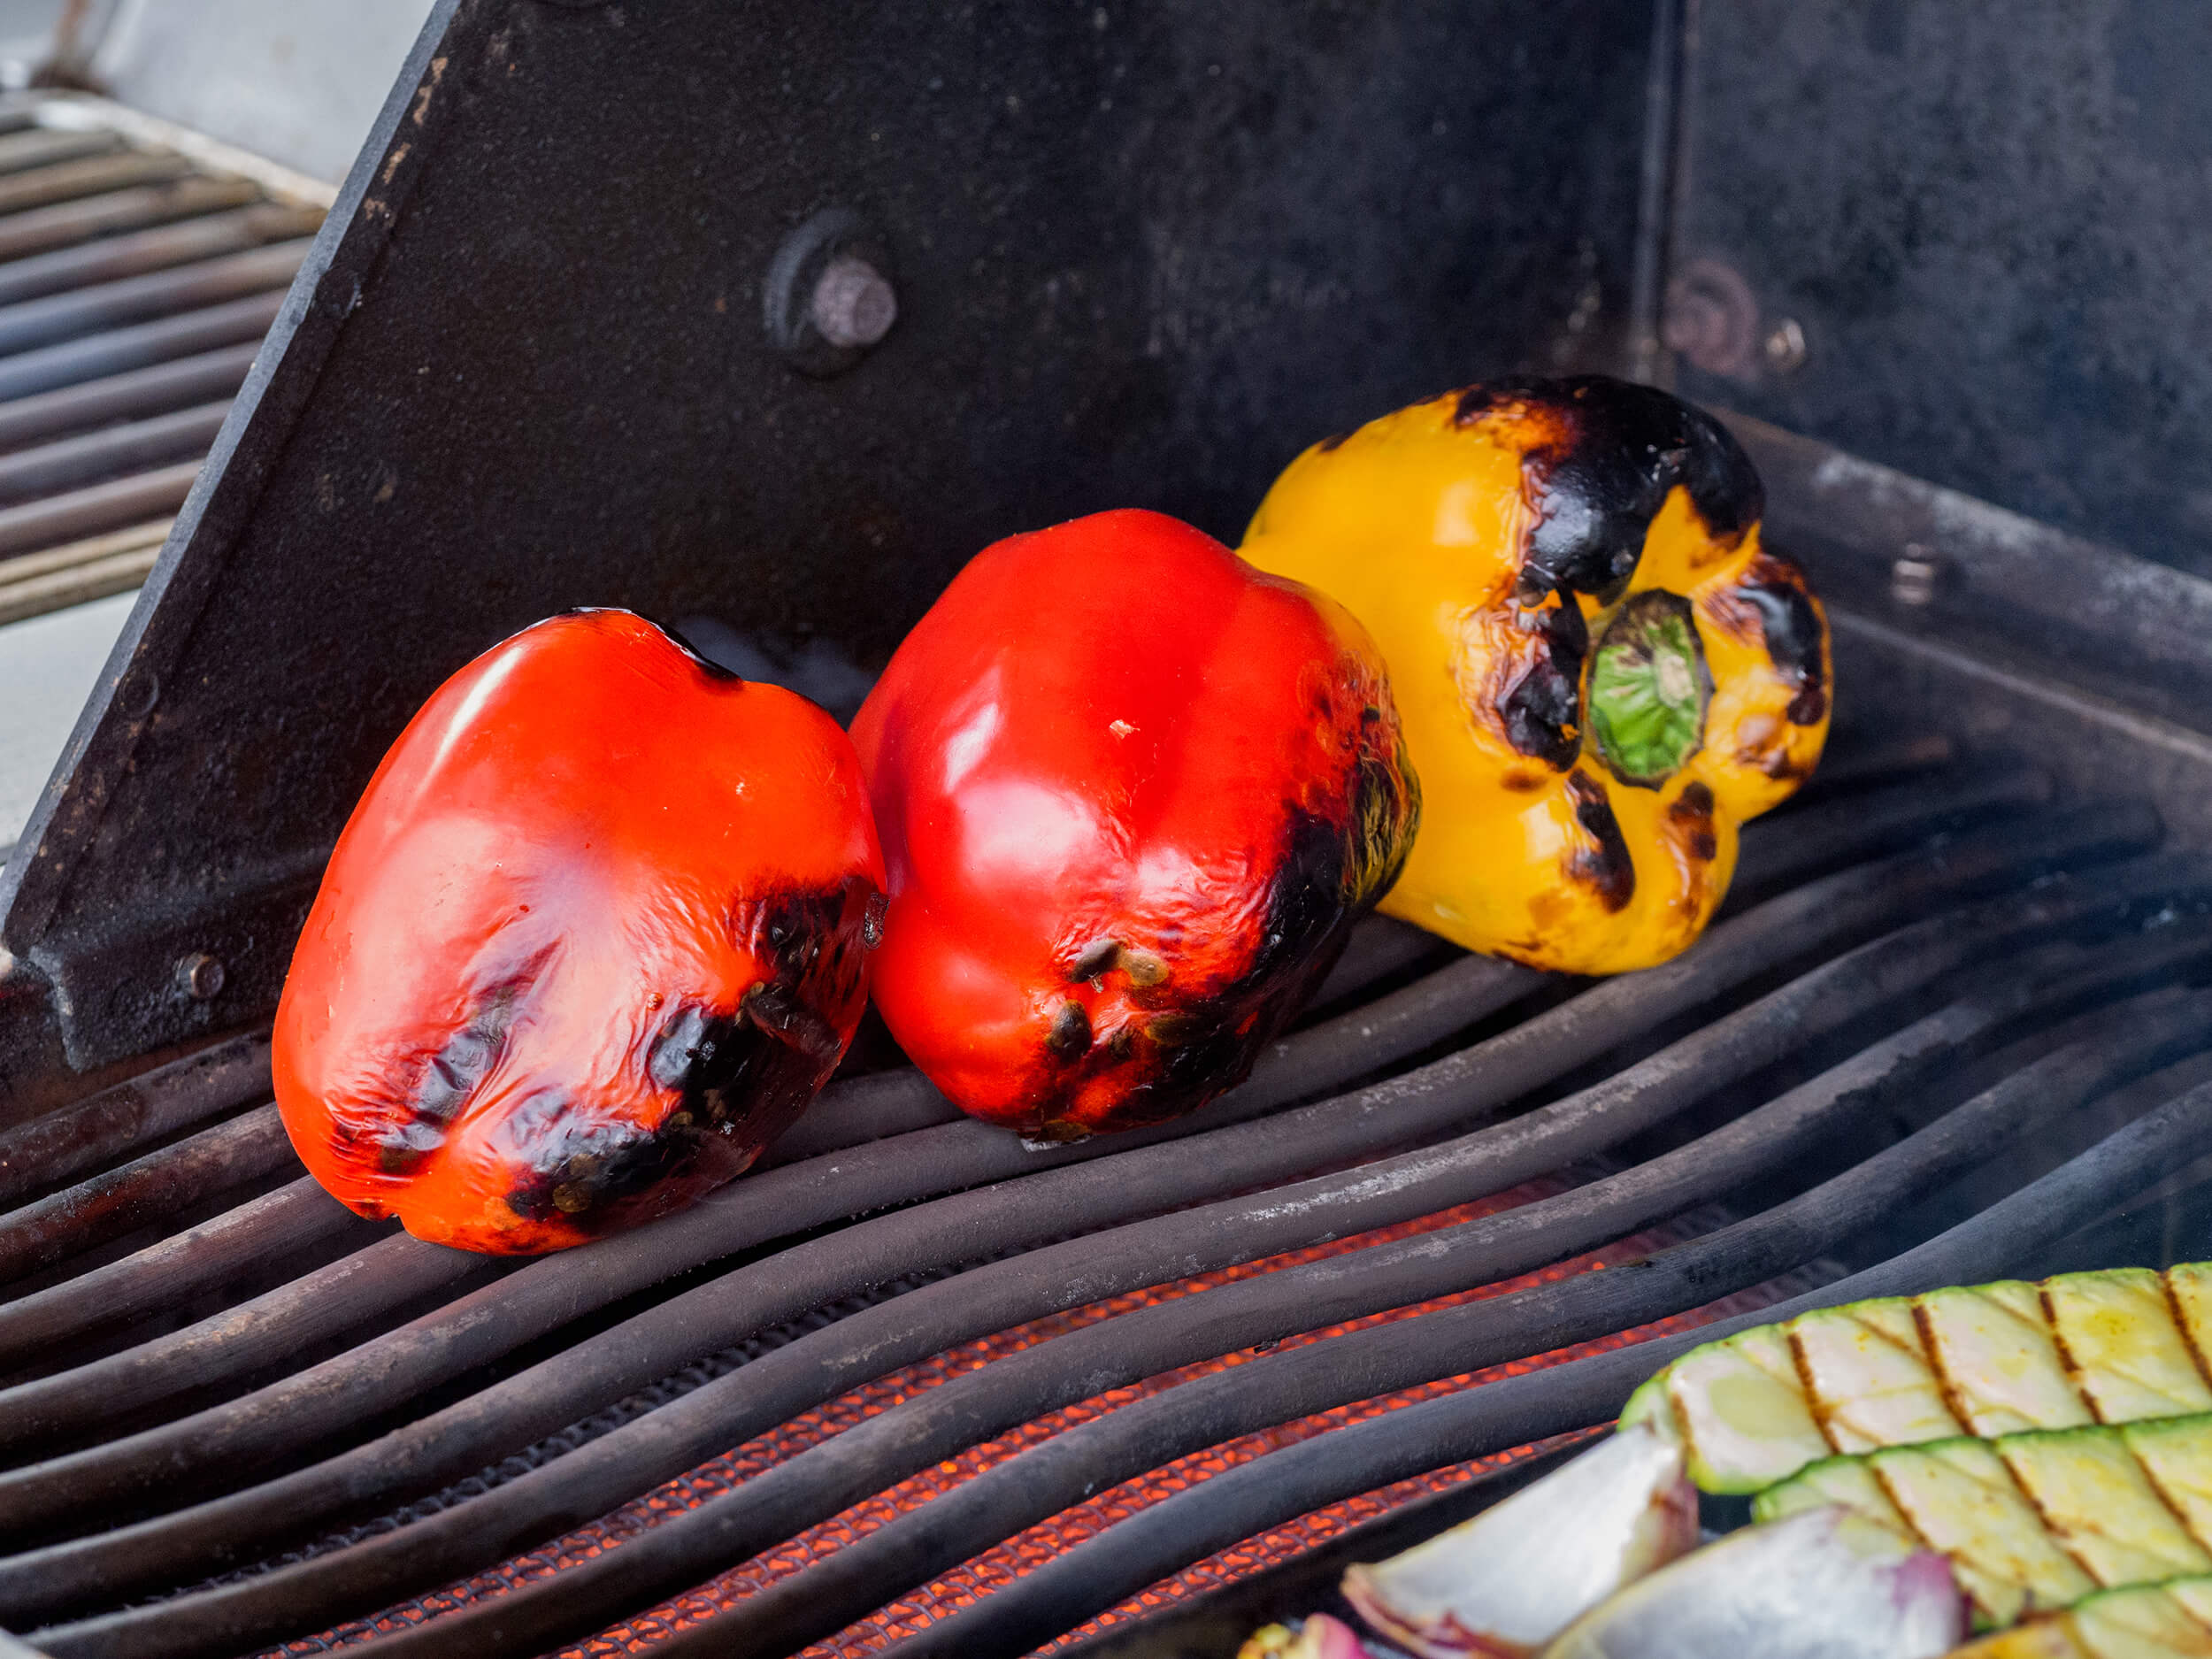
{"x": 1133, "y": 794}
{"x": 596, "y": 934}
{"x": 1603, "y": 672}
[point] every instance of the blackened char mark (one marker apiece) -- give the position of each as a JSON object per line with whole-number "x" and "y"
{"x": 1542, "y": 710}
{"x": 741, "y": 1075}
{"x": 1607, "y": 869}
{"x": 581, "y": 1166}
{"x": 1385, "y": 818}
{"x": 1692, "y": 818}
{"x": 1306, "y": 920}
{"x": 1327, "y": 874}
{"x": 1070, "y": 1037}
{"x": 1775, "y": 589}
{"x": 594, "y": 1170}
{"x": 455, "y": 1072}
{"x": 814, "y": 944}
{"x": 1097, "y": 957}
{"x": 731, "y": 1069}
{"x": 1623, "y": 449}
{"x": 740, "y": 1080}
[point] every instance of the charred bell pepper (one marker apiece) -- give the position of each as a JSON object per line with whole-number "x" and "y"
{"x": 1602, "y": 671}
{"x": 1133, "y": 794}
{"x": 596, "y": 934}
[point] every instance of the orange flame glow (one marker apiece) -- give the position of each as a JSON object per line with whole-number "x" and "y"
{"x": 1018, "y": 1556}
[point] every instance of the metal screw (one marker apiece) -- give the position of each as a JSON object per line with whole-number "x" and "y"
{"x": 1913, "y": 575}
{"x": 854, "y": 306}
{"x": 1784, "y": 346}
{"x": 831, "y": 293}
{"x": 138, "y": 696}
{"x": 1712, "y": 320}
{"x": 200, "y": 976}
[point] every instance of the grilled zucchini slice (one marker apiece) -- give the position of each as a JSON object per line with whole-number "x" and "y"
{"x": 1984, "y": 1360}
{"x": 2160, "y": 1621}
{"x": 2034, "y": 1523}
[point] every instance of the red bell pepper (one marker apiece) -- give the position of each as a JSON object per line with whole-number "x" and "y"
{"x": 594, "y": 936}
{"x": 1133, "y": 794}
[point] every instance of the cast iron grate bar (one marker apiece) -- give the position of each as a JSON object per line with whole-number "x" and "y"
{"x": 135, "y": 285}
{"x": 1942, "y": 948}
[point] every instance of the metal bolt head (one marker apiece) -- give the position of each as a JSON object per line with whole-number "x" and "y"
{"x": 831, "y": 293}
{"x": 200, "y": 976}
{"x": 1712, "y": 320}
{"x": 1914, "y": 574}
{"x": 1784, "y": 346}
{"x": 854, "y": 306}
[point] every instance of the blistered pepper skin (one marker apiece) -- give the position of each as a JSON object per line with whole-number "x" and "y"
{"x": 596, "y": 934}
{"x": 1133, "y": 794}
{"x": 1602, "y": 672}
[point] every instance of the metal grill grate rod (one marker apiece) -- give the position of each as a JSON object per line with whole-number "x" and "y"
{"x": 1244, "y": 1501}
{"x": 141, "y": 392}
{"x": 29, "y": 232}
{"x": 1450, "y": 1090}
{"x": 434, "y": 1540}
{"x": 119, "y": 349}
{"x": 2128, "y": 1042}
{"x": 1980, "y": 967}
{"x": 277, "y": 1226}
{"x": 657, "y": 1343}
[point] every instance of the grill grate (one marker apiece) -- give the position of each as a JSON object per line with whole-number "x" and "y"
{"x": 139, "y": 269}
{"x": 909, "y": 1356}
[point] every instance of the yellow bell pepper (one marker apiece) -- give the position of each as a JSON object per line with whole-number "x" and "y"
{"x": 1601, "y": 671}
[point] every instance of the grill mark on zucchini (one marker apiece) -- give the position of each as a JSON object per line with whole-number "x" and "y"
{"x": 2158, "y": 1490}
{"x": 2142, "y": 1372}
{"x": 1952, "y": 1398}
{"x": 1805, "y": 1387}
{"x": 1985, "y": 1375}
{"x": 2066, "y": 1352}
{"x": 2181, "y": 1327}
{"x": 2094, "y": 1494}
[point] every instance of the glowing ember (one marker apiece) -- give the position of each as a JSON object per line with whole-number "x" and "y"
{"x": 1018, "y": 1555}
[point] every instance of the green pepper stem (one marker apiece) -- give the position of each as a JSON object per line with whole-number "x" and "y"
{"x": 1649, "y": 689}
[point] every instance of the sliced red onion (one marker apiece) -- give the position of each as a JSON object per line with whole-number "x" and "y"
{"x": 1825, "y": 1584}
{"x": 1318, "y": 1637}
{"x": 1509, "y": 1581}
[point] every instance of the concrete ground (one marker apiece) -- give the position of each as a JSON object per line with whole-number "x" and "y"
{"x": 24, "y": 28}
{"x": 47, "y": 667}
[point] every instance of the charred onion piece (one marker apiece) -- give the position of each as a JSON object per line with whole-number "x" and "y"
{"x": 1133, "y": 794}
{"x": 1317, "y": 1636}
{"x": 1823, "y": 1585}
{"x": 1510, "y": 1580}
{"x": 595, "y": 935}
